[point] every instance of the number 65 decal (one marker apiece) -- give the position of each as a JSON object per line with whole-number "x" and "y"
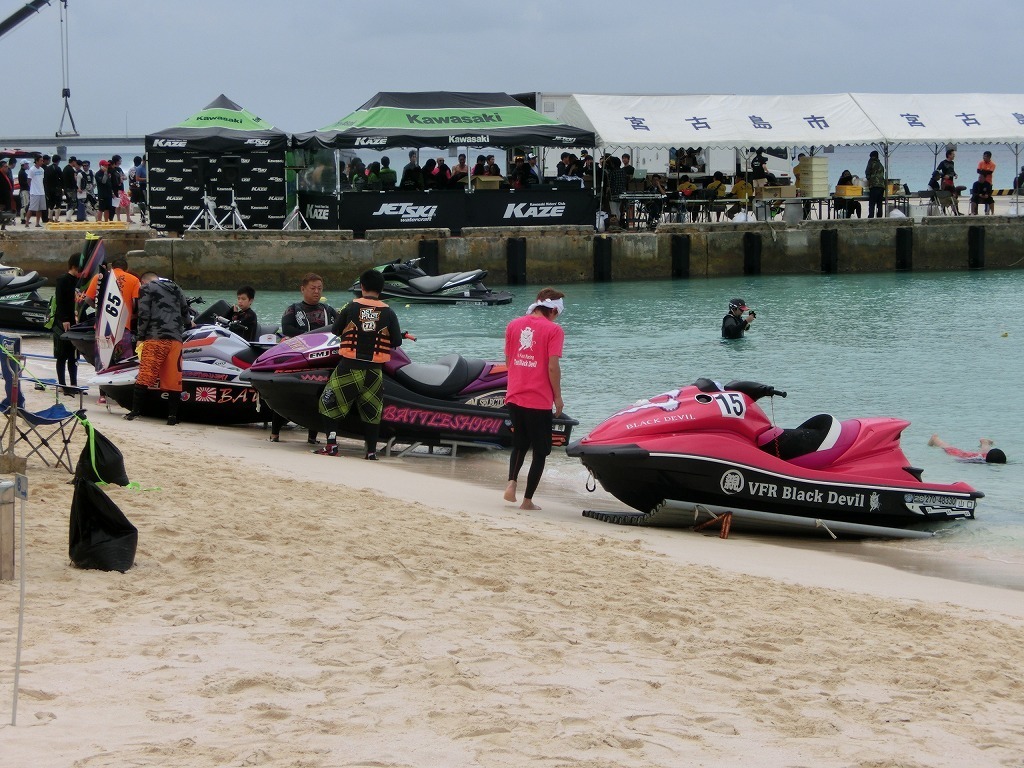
{"x": 731, "y": 404}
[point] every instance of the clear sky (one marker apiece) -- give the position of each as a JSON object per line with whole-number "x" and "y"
{"x": 138, "y": 66}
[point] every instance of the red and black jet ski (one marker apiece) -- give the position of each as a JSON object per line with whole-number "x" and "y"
{"x": 212, "y": 391}
{"x": 713, "y": 446}
{"x": 452, "y": 400}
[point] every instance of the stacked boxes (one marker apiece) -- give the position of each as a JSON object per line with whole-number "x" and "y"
{"x": 814, "y": 177}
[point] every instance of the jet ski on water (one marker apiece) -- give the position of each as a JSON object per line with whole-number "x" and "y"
{"x": 454, "y": 400}
{"x": 711, "y": 448}
{"x": 21, "y": 306}
{"x": 213, "y": 357}
{"x": 408, "y": 282}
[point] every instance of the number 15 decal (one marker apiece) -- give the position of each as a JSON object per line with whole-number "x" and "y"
{"x": 731, "y": 404}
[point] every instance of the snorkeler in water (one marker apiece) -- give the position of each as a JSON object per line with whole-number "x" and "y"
{"x": 985, "y": 454}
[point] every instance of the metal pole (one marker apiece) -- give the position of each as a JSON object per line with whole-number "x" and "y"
{"x": 21, "y": 489}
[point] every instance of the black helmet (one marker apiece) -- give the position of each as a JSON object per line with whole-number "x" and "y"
{"x": 739, "y": 304}
{"x": 995, "y": 456}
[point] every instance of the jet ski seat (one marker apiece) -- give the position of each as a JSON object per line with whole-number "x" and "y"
{"x": 434, "y": 283}
{"x": 814, "y": 444}
{"x": 446, "y": 377}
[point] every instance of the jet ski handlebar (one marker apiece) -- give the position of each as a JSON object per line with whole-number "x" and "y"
{"x": 755, "y": 390}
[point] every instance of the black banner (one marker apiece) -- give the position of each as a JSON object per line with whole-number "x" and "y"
{"x": 533, "y": 207}
{"x": 176, "y": 188}
{"x": 319, "y": 210}
{"x": 362, "y": 211}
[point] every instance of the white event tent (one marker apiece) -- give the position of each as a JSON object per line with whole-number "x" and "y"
{"x": 885, "y": 120}
{"x": 721, "y": 121}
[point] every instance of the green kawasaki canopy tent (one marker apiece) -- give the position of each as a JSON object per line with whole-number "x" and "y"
{"x": 444, "y": 119}
{"x": 222, "y": 126}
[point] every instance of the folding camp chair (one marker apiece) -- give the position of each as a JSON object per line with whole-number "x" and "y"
{"x": 46, "y": 433}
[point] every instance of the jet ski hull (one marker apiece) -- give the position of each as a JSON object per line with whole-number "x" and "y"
{"x": 643, "y": 479}
{"x": 25, "y": 315}
{"x": 476, "y": 296}
{"x": 407, "y": 416}
{"x": 203, "y": 401}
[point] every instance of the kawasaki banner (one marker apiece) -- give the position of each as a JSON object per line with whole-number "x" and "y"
{"x": 362, "y": 211}
{"x": 444, "y": 119}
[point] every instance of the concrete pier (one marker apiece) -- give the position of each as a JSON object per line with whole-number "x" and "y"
{"x": 561, "y": 255}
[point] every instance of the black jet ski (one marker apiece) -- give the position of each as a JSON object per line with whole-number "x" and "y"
{"x": 406, "y": 281}
{"x": 21, "y": 306}
{"x": 452, "y": 400}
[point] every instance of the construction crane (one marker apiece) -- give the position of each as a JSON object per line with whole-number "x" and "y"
{"x": 24, "y": 13}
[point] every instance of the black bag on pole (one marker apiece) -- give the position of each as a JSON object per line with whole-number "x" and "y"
{"x": 100, "y": 536}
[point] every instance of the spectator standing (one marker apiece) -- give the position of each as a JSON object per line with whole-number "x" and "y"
{"x": 53, "y": 182}
{"x": 69, "y": 180}
{"x": 627, "y": 167}
{"x": 116, "y": 185}
{"x": 460, "y": 171}
{"x": 137, "y": 179}
{"x": 430, "y": 174}
{"x": 480, "y": 168}
{"x": 37, "y": 192}
{"x": 412, "y": 174}
{"x": 986, "y": 166}
{"x": 759, "y": 169}
{"x": 875, "y": 174}
{"x": 7, "y": 202}
{"x": 103, "y": 191}
{"x": 90, "y": 184}
{"x": 494, "y": 170}
{"x": 388, "y": 177}
{"x": 23, "y": 190}
{"x": 443, "y": 173}
{"x": 533, "y": 347}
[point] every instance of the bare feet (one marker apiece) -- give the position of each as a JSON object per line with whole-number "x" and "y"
{"x": 528, "y": 504}
{"x": 934, "y": 439}
{"x": 510, "y": 491}
{"x": 985, "y": 444}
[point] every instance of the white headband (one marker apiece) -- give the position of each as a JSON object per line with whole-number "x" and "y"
{"x": 556, "y": 304}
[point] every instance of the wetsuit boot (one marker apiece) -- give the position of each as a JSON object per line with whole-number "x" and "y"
{"x": 173, "y": 401}
{"x": 371, "y": 431}
{"x": 137, "y": 394}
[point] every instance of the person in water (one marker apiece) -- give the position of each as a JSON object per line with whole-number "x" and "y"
{"x": 368, "y": 330}
{"x": 533, "y": 346}
{"x": 985, "y": 454}
{"x": 734, "y": 324}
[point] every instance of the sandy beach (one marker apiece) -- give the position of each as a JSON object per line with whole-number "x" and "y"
{"x": 287, "y": 609}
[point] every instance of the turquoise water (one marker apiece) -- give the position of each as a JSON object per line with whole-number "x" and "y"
{"x": 940, "y": 350}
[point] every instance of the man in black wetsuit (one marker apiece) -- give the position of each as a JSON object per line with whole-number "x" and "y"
{"x": 306, "y": 315}
{"x": 734, "y": 324}
{"x": 368, "y": 330}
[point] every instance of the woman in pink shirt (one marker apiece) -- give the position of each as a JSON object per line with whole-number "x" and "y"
{"x": 533, "y": 345}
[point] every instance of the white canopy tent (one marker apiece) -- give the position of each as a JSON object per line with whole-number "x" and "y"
{"x": 722, "y": 121}
{"x": 810, "y": 120}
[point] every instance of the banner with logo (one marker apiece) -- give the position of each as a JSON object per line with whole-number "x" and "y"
{"x": 176, "y": 182}
{"x": 319, "y": 210}
{"x": 444, "y": 119}
{"x": 534, "y": 207}
{"x": 362, "y": 211}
